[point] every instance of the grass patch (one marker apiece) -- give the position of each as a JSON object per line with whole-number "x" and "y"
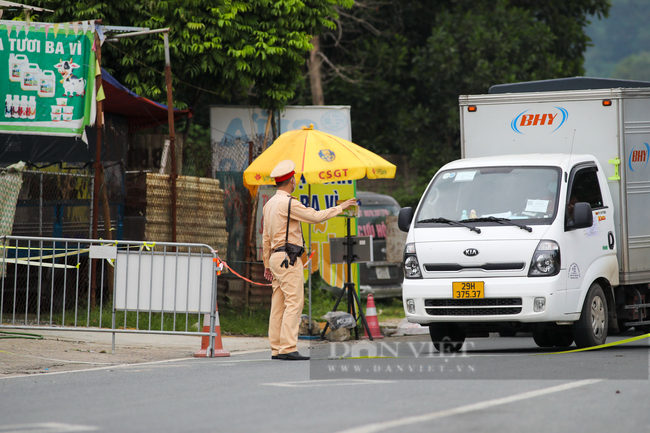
{"x": 244, "y": 322}
{"x": 103, "y": 318}
{"x": 233, "y": 321}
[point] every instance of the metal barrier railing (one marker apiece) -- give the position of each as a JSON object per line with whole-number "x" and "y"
{"x": 107, "y": 286}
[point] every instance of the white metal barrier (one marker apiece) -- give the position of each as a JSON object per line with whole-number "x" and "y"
{"x": 108, "y": 286}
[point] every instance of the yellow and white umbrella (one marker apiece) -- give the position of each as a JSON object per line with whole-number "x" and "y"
{"x": 320, "y": 157}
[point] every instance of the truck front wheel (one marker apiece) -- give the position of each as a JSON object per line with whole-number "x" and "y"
{"x": 591, "y": 329}
{"x": 446, "y": 337}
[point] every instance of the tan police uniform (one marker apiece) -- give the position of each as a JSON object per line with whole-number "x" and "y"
{"x": 288, "y": 283}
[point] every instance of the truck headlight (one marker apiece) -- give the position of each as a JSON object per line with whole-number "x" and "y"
{"x": 411, "y": 264}
{"x": 546, "y": 260}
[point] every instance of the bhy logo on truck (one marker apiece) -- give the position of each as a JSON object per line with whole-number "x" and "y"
{"x": 539, "y": 119}
{"x": 638, "y": 156}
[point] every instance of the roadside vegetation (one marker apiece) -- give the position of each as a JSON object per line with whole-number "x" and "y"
{"x": 256, "y": 322}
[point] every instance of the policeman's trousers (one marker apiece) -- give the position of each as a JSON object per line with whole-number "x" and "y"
{"x": 286, "y": 304}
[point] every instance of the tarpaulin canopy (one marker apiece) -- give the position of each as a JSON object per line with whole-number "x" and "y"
{"x": 140, "y": 112}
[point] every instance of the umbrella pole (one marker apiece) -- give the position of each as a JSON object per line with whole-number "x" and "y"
{"x": 309, "y": 272}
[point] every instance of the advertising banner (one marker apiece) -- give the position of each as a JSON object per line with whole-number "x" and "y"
{"x": 47, "y": 77}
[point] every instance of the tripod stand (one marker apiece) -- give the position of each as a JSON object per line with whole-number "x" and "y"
{"x": 348, "y": 287}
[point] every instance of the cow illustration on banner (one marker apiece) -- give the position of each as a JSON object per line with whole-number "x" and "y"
{"x": 72, "y": 84}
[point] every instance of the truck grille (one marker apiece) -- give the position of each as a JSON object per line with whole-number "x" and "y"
{"x": 484, "y": 302}
{"x": 472, "y": 311}
{"x": 473, "y": 307}
{"x": 455, "y": 267}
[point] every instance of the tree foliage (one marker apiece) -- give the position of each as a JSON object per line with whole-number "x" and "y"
{"x": 401, "y": 64}
{"x": 238, "y": 50}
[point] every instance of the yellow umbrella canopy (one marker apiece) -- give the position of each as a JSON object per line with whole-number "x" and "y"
{"x": 320, "y": 157}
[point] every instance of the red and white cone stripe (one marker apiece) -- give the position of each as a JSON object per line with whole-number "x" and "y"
{"x": 205, "y": 340}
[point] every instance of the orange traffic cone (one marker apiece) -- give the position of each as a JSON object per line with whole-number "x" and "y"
{"x": 205, "y": 340}
{"x": 371, "y": 318}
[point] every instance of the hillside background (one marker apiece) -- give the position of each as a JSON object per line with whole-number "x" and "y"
{"x": 621, "y": 43}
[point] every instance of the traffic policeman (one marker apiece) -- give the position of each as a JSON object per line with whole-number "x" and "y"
{"x": 282, "y": 247}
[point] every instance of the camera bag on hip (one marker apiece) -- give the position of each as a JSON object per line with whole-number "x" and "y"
{"x": 291, "y": 251}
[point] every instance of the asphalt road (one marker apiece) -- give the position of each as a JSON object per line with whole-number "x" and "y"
{"x": 498, "y": 384}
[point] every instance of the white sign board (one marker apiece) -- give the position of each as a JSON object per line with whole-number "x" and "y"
{"x": 103, "y": 252}
{"x": 233, "y": 127}
{"x": 332, "y": 119}
{"x": 163, "y": 282}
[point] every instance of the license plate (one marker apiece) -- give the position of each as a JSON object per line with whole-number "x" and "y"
{"x": 468, "y": 290}
{"x": 382, "y": 272}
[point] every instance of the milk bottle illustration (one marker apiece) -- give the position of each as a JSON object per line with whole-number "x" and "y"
{"x": 23, "y": 107}
{"x": 29, "y": 74}
{"x": 16, "y": 61}
{"x": 31, "y": 108}
{"x": 47, "y": 84}
{"x": 15, "y": 107}
{"x": 8, "y": 103}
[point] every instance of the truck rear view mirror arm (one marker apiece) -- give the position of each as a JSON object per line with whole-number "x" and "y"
{"x": 404, "y": 218}
{"x": 582, "y": 217}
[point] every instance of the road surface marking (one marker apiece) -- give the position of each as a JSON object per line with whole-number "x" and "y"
{"x": 111, "y": 367}
{"x": 45, "y": 427}
{"x": 403, "y": 422}
{"x": 327, "y": 382}
{"x": 225, "y": 363}
{"x": 58, "y": 360}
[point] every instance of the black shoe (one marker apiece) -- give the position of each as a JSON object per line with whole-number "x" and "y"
{"x": 293, "y": 356}
{"x": 274, "y": 357}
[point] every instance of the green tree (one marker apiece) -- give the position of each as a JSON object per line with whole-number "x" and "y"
{"x": 237, "y": 50}
{"x": 403, "y": 75}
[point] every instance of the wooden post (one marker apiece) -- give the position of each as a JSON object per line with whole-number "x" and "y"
{"x": 172, "y": 135}
{"x": 106, "y": 210}
{"x": 98, "y": 165}
{"x": 249, "y": 231}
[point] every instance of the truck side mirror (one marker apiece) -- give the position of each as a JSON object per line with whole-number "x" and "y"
{"x": 404, "y": 218}
{"x": 582, "y": 217}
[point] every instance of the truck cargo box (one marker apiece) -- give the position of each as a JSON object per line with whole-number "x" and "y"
{"x": 612, "y": 124}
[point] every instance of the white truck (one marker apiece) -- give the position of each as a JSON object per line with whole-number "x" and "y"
{"x": 542, "y": 225}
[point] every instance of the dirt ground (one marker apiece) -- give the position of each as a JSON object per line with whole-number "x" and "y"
{"x": 23, "y": 356}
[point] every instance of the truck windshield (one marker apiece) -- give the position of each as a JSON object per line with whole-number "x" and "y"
{"x": 515, "y": 193}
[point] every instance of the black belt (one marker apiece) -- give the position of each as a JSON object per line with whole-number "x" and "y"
{"x": 280, "y": 250}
